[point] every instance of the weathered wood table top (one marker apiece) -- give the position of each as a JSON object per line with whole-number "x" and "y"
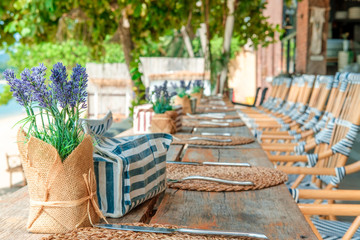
{"x": 270, "y": 211}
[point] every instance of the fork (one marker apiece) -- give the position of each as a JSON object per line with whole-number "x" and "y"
{"x": 211, "y": 179}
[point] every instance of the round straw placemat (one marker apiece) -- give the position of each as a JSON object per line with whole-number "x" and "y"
{"x": 199, "y": 117}
{"x": 261, "y": 177}
{"x": 107, "y": 234}
{"x": 235, "y": 140}
{"x": 214, "y": 110}
{"x": 195, "y": 123}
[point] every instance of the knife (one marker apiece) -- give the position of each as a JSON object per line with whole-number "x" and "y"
{"x": 229, "y": 164}
{"x": 180, "y": 230}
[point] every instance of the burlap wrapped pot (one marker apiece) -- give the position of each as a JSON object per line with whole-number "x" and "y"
{"x": 184, "y": 102}
{"x": 62, "y": 194}
{"x": 164, "y": 123}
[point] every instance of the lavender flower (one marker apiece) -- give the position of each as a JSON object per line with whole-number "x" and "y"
{"x": 161, "y": 98}
{"x": 78, "y": 82}
{"x": 147, "y": 94}
{"x": 198, "y": 83}
{"x": 181, "y": 90}
{"x": 40, "y": 91}
{"x": 61, "y": 129}
{"x": 60, "y": 86}
{"x": 19, "y": 88}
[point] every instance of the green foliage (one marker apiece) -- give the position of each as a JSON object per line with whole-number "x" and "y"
{"x": 138, "y": 88}
{"x": 5, "y": 95}
{"x": 153, "y": 28}
{"x": 196, "y": 89}
{"x": 69, "y": 53}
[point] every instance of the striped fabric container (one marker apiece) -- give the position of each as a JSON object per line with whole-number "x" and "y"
{"x": 142, "y": 118}
{"x": 129, "y": 170}
{"x": 143, "y": 115}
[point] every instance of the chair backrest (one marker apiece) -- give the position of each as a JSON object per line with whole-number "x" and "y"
{"x": 263, "y": 94}
{"x": 320, "y": 93}
{"x": 298, "y": 95}
{"x": 12, "y": 161}
{"x": 278, "y": 85}
{"x": 341, "y": 129}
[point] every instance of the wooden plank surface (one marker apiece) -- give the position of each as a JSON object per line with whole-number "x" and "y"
{"x": 271, "y": 211}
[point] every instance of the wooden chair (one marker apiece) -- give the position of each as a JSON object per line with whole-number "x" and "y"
{"x": 331, "y": 229}
{"x": 14, "y": 165}
{"x": 303, "y": 122}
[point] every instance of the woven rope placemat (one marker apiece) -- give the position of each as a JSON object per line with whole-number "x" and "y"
{"x": 195, "y": 123}
{"x": 261, "y": 177}
{"x": 199, "y": 117}
{"x": 107, "y": 234}
{"x": 235, "y": 140}
{"x": 214, "y": 110}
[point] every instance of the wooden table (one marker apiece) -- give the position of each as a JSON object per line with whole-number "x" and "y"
{"x": 270, "y": 211}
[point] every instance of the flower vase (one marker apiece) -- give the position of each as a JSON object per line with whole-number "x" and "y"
{"x": 62, "y": 194}
{"x": 164, "y": 123}
{"x": 184, "y": 102}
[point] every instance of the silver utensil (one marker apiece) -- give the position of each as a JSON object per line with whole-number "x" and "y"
{"x": 211, "y": 179}
{"x": 180, "y": 230}
{"x": 219, "y": 108}
{"x": 206, "y": 115}
{"x": 213, "y": 123}
{"x": 228, "y": 164}
{"x": 222, "y": 120}
{"x": 216, "y": 134}
{"x": 209, "y": 139}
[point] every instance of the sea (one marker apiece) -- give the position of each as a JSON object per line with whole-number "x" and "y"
{"x": 12, "y": 108}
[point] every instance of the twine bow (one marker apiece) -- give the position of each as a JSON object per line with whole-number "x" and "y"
{"x": 89, "y": 180}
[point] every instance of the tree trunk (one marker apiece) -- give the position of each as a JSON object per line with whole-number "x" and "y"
{"x": 187, "y": 42}
{"x": 209, "y": 65}
{"x": 125, "y": 36}
{"x": 229, "y": 28}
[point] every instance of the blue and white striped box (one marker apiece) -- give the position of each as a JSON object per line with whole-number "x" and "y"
{"x": 128, "y": 170}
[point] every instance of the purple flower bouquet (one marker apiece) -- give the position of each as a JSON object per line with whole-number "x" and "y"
{"x": 57, "y": 157}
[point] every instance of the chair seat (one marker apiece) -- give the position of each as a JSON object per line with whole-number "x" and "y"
{"x": 15, "y": 169}
{"x": 332, "y": 230}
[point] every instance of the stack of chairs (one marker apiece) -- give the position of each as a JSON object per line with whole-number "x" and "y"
{"x": 295, "y": 105}
{"x": 295, "y": 130}
{"x": 278, "y": 94}
{"x": 320, "y": 162}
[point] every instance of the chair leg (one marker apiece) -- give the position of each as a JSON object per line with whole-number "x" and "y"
{"x": 24, "y": 178}
{"x": 313, "y": 228}
{"x": 352, "y": 229}
{"x": 10, "y": 174}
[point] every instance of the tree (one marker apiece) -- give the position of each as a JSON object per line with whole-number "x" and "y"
{"x": 133, "y": 23}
